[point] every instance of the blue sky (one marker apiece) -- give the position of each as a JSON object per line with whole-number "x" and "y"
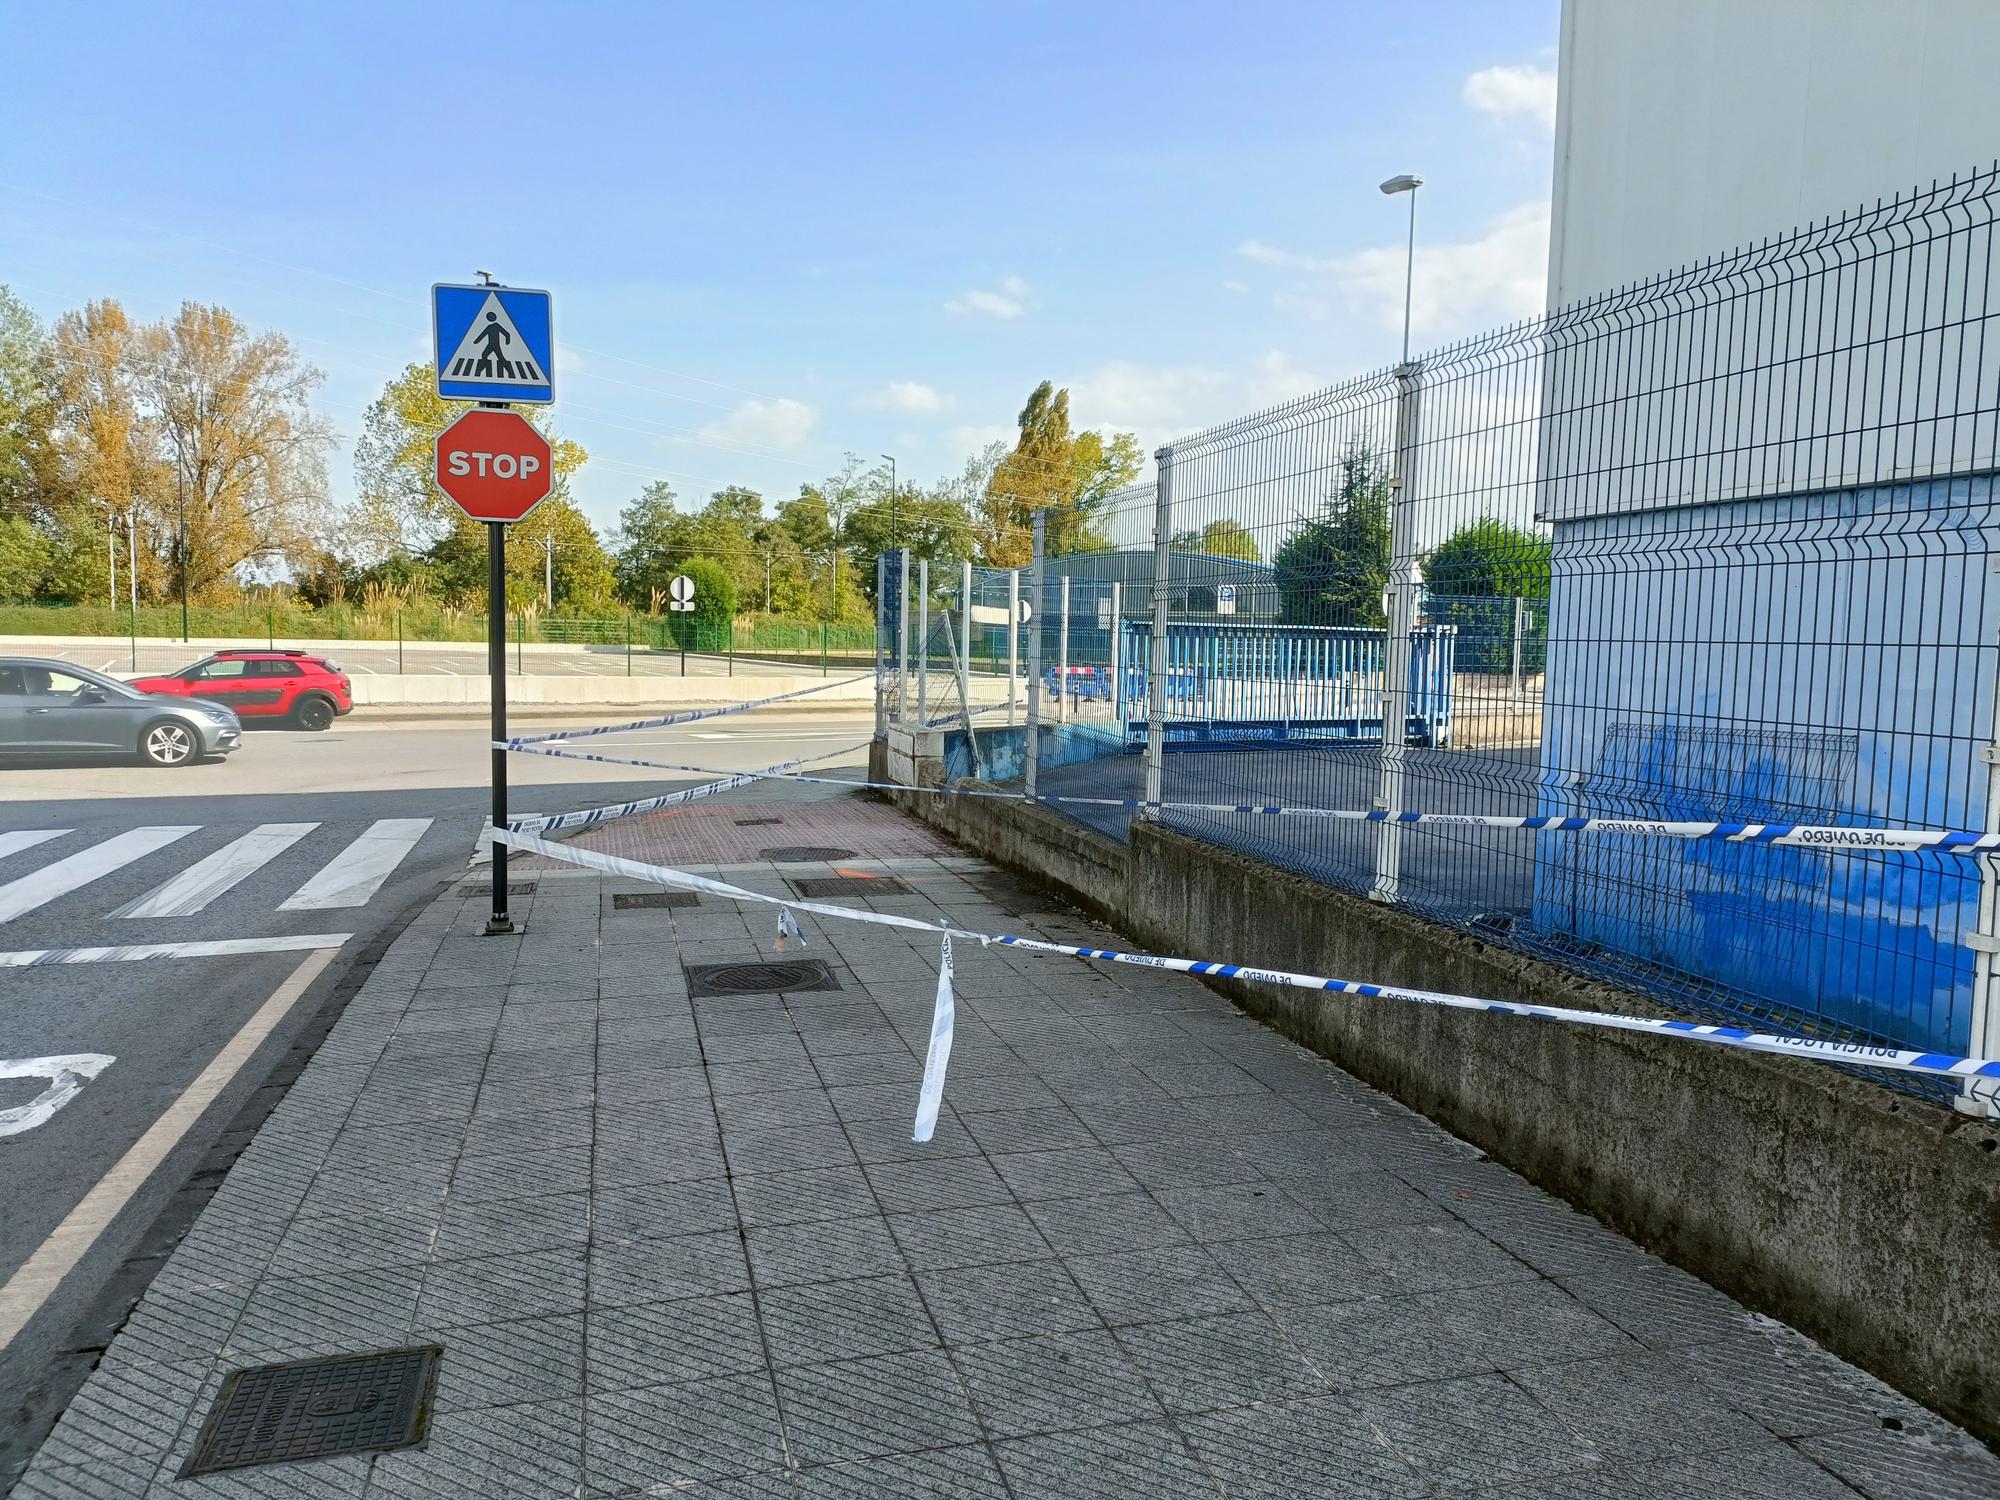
{"x": 777, "y": 233}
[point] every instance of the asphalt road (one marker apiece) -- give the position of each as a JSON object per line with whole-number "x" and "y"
{"x": 338, "y": 837}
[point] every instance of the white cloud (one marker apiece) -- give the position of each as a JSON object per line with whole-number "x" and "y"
{"x": 1009, "y": 301}
{"x": 568, "y": 361}
{"x": 1235, "y": 288}
{"x": 1161, "y": 402}
{"x": 1517, "y": 91}
{"x": 1500, "y": 275}
{"x": 757, "y": 423}
{"x": 910, "y": 396}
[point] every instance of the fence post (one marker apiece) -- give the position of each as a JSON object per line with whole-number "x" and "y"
{"x": 1034, "y": 744}
{"x": 1062, "y": 658}
{"x": 270, "y": 625}
{"x": 1116, "y": 651}
{"x": 628, "y": 643}
{"x": 399, "y": 643}
{"x": 822, "y": 648}
{"x": 1013, "y": 640}
{"x": 965, "y": 630}
{"x": 923, "y": 642}
{"x": 881, "y": 648}
{"x": 1156, "y": 655}
{"x": 1405, "y": 582}
{"x": 135, "y": 635}
{"x": 903, "y": 635}
{"x": 1519, "y": 614}
{"x": 520, "y": 645}
{"x": 732, "y": 646}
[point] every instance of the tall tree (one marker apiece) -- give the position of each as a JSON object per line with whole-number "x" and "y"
{"x": 1333, "y": 568}
{"x": 102, "y": 457}
{"x": 1223, "y": 537}
{"x": 26, "y": 410}
{"x": 243, "y": 449}
{"x": 1068, "y": 474}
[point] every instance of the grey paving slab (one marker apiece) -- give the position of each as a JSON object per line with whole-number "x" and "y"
{"x": 688, "y": 1247}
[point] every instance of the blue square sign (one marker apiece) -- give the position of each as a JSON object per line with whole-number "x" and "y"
{"x": 493, "y": 343}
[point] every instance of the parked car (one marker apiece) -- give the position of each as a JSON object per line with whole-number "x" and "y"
{"x": 305, "y": 690}
{"x": 58, "y": 708}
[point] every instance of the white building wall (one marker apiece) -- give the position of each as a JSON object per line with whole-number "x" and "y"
{"x": 1686, "y": 128}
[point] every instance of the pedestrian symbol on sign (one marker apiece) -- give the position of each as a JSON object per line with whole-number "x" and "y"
{"x": 493, "y": 349}
{"x": 680, "y": 595}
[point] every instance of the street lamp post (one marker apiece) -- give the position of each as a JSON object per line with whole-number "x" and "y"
{"x": 548, "y": 571}
{"x": 180, "y": 487}
{"x": 1407, "y": 183}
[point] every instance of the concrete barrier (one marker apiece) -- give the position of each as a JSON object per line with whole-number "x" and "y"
{"x": 1867, "y": 1219}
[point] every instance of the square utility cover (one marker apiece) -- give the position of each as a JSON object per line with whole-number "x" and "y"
{"x": 317, "y": 1408}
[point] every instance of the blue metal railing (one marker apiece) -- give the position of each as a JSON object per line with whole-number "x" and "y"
{"x": 1231, "y": 684}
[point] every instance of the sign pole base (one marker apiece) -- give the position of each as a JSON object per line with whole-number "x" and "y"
{"x": 496, "y": 671}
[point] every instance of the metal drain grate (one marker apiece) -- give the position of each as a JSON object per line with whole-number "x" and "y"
{"x": 316, "y": 1408}
{"x": 642, "y": 900}
{"x": 756, "y": 822}
{"x": 803, "y": 853}
{"x": 485, "y": 888}
{"x": 797, "y": 976}
{"x": 815, "y": 887}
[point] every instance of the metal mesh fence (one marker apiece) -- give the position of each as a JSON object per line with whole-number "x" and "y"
{"x": 1715, "y": 547}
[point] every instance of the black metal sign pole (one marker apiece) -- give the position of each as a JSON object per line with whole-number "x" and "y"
{"x": 496, "y": 671}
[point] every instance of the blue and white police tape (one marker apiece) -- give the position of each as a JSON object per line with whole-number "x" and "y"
{"x": 1789, "y": 835}
{"x": 1981, "y": 1075}
{"x": 730, "y": 780}
{"x": 687, "y": 716}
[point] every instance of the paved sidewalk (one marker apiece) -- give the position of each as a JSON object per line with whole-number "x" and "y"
{"x": 678, "y": 1246}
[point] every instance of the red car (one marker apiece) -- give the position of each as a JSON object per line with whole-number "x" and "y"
{"x": 307, "y": 690}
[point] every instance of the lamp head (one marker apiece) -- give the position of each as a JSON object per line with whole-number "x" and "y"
{"x": 1403, "y": 184}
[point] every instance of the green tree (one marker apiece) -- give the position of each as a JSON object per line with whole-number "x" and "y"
{"x": 1220, "y": 538}
{"x": 1471, "y": 580}
{"x": 1333, "y": 568}
{"x": 24, "y": 560}
{"x": 26, "y": 410}
{"x": 1068, "y": 474}
{"x": 714, "y": 592}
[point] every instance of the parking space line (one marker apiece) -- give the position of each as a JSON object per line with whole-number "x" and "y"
{"x": 29, "y": 1287}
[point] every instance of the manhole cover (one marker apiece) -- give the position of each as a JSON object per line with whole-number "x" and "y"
{"x": 757, "y": 822}
{"x": 816, "y": 886}
{"x": 316, "y": 1408}
{"x": 802, "y": 853}
{"x": 797, "y": 976}
{"x": 641, "y": 900}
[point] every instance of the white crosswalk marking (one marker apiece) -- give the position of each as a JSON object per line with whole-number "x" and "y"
{"x": 79, "y": 869}
{"x": 357, "y": 872}
{"x": 27, "y": 838}
{"x": 201, "y": 883}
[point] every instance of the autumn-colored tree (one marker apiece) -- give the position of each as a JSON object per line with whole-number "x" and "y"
{"x": 243, "y": 451}
{"x": 1068, "y": 474}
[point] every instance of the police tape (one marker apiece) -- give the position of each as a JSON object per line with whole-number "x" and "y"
{"x": 687, "y": 716}
{"x": 1985, "y": 1072}
{"x": 1787, "y": 835}
{"x": 730, "y": 780}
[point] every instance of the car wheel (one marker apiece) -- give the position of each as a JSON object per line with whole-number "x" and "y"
{"x": 313, "y": 714}
{"x": 168, "y": 742}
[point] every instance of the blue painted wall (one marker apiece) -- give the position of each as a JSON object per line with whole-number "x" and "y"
{"x": 1826, "y": 658}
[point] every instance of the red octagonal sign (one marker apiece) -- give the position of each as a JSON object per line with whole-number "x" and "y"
{"x": 494, "y": 465}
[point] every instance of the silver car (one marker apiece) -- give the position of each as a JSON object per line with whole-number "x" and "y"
{"x": 57, "y": 708}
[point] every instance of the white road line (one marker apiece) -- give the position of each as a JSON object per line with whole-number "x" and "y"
{"x": 66, "y": 875}
{"x": 28, "y": 1288}
{"x": 357, "y": 872}
{"x": 125, "y": 953}
{"x": 27, "y": 838}
{"x": 66, "y": 1076}
{"x": 235, "y": 861}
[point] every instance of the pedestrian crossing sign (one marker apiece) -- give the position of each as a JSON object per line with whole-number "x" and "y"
{"x": 493, "y": 343}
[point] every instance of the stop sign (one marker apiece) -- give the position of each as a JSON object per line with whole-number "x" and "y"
{"x": 494, "y": 465}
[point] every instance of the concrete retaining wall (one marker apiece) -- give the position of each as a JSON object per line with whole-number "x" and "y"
{"x": 1869, "y": 1220}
